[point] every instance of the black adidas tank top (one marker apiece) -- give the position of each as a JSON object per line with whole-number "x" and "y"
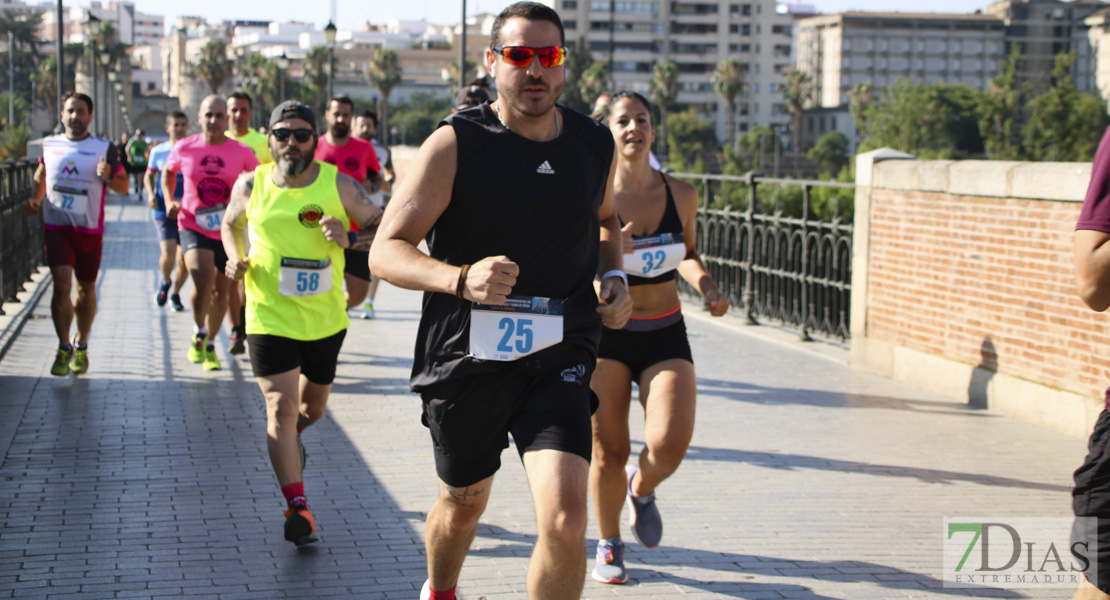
{"x": 671, "y": 223}
{"x": 534, "y": 202}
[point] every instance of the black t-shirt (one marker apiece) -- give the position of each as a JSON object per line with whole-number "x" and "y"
{"x": 534, "y": 202}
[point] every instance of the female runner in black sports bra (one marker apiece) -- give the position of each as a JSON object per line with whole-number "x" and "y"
{"x": 652, "y": 350}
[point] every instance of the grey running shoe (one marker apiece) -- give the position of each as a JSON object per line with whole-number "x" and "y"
{"x": 610, "y": 562}
{"x": 644, "y": 518}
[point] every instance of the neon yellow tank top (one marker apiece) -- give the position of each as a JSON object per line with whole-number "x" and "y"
{"x": 295, "y": 281}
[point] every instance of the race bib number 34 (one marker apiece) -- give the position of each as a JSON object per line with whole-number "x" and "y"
{"x": 209, "y": 219}
{"x": 655, "y": 255}
{"x": 300, "y": 277}
{"x": 521, "y": 326}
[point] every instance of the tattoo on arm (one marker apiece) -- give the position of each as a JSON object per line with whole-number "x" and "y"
{"x": 240, "y": 198}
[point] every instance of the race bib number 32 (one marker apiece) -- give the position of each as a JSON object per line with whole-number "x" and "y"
{"x": 521, "y": 326}
{"x": 655, "y": 255}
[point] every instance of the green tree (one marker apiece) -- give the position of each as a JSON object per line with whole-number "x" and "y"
{"x": 594, "y": 81}
{"x": 861, "y": 97}
{"x": 1064, "y": 123}
{"x": 262, "y": 80}
{"x": 755, "y": 146}
{"x": 690, "y": 140}
{"x": 830, "y": 152}
{"x": 728, "y": 82}
{"x": 27, "y": 58}
{"x": 13, "y": 142}
{"x": 999, "y": 108}
{"x": 383, "y": 71}
{"x": 213, "y": 67}
{"x": 930, "y": 121}
{"x": 578, "y": 60}
{"x": 797, "y": 93}
{"x": 664, "y": 92}
{"x": 417, "y": 117}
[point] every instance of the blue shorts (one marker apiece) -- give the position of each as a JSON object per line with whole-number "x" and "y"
{"x": 166, "y": 229}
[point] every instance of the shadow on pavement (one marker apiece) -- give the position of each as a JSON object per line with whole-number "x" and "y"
{"x": 792, "y": 462}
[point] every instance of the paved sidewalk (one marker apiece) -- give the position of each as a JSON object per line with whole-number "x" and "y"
{"x": 148, "y": 477}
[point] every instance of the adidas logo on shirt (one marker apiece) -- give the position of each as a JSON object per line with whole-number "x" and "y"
{"x": 545, "y": 168}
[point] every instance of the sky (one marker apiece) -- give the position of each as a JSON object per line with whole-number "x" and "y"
{"x": 353, "y": 13}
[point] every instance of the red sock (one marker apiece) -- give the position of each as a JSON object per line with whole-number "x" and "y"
{"x": 294, "y": 493}
{"x": 448, "y": 595}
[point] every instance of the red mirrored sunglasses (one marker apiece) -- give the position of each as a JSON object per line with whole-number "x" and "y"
{"x": 521, "y": 56}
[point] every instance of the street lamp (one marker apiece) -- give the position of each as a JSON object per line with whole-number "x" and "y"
{"x": 283, "y": 65}
{"x": 109, "y": 124}
{"x": 91, "y": 29}
{"x": 329, "y": 37}
{"x": 105, "y": 60}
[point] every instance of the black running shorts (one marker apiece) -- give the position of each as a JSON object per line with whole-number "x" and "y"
{"x": 1091, "y": 498}
{"x": 271, "y": 354}
{"x": 357, "y": 263}
{"x": 642, "y": 349}
{"x": 192, "y": 240}
{"x": 544, "y": 403}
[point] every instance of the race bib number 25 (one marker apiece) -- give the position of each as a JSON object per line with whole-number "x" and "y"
{"x": 521, "y": 326}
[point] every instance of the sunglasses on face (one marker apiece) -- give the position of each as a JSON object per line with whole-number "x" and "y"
{"x": 302, "y": 135}
{"x": 521, "y": 56}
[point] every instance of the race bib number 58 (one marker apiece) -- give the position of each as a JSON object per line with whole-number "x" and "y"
{"x": 521, "y": 326}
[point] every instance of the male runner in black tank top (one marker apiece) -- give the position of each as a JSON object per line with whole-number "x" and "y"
{"x": 510, "y": 271}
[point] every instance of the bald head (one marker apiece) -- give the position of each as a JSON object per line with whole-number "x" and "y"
{"x": 213, "y": 119}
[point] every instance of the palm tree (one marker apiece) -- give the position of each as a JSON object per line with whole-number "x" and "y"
{"x": 594, "y": 81}
{"x": 728, "y": 82}
{"x": 861, "y": 97}
{"x": 316, "y": 77}
{"x": 797, "y": 92}
{"x": 383, "y": 71}
{"x": 45, "y": 81}
{"x": 664, "y": 91}
{"x": 471, "y": 69}
{"x": 24, "y": 30}
{"x": 213, "y": 67}
{"x": 262, "y": 81}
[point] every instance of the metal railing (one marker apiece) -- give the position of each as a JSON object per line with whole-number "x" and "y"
{"x": 796, "y": 270}
{"x": 21, "y": 244}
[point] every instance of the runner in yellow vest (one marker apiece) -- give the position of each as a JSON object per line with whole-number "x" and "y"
{"x": 296, "y": 313}
{"x": 240, "y": 107}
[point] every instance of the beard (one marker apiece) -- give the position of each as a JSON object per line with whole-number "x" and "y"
{"x": 76, "y": 128}
{"x": 340, "y": 130}
{"x": 291, "y": 167}
{"x": 526, "y": 106}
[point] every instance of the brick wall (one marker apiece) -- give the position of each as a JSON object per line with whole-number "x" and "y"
{"x": 971, "y": 263}
{"x": 988, "y": 282}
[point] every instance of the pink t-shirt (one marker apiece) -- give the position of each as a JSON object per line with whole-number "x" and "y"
{"x": 355, "y": 158}
{"x": 210, "y": 172}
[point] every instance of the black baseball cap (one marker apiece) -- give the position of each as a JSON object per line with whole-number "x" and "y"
{"x": 291, "y": 109}
{"x": 471, "y": 95}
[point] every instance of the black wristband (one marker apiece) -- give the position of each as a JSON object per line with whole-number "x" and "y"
{"x": 352, "y": 237}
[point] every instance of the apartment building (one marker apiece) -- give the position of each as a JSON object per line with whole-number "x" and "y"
{"x": 843, "y": 50}
{"x": 632, "y": 36}
{"x": 134, "y": 27}
{"x": 1041, "y": 29}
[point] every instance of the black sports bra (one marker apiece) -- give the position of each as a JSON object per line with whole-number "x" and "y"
{"x": 671, "y": 224}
